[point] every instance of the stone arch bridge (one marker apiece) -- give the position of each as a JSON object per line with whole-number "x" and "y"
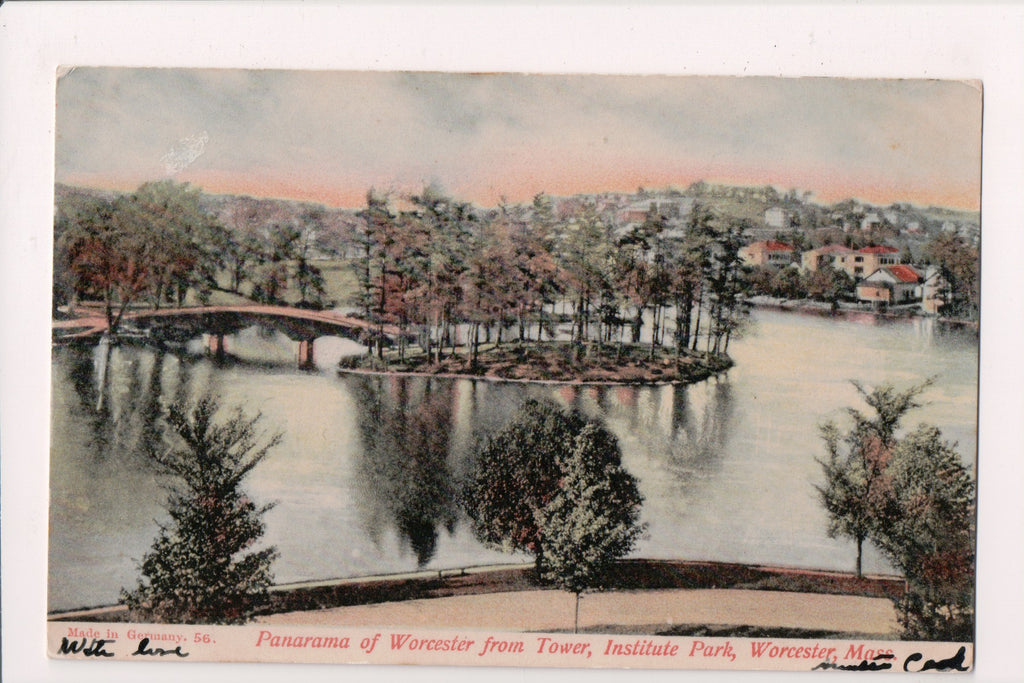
{"x": 181, "y": 324}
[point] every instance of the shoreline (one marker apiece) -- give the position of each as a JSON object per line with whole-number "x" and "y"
{"x": 627, "y": 575}
{"x": 515, "y": 380}
{"x": 812, "y": 307}
{"x": 823, "y": 309}
{"x": 552, "y": 362}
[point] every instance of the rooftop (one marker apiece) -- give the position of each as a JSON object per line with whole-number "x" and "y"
{"x": 771, "y": 245}
{"x": 903, "y": 273}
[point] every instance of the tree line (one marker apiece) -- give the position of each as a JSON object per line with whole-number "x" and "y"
{"x": 959, "y": 266}
{"x": 440, "y": 266}
{"x": 159, "y": 244}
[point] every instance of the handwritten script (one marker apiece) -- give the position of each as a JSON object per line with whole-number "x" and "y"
{"x": 878, "y": 663}
{"x": 97, "y": 647}
{"x": 144, "y": 649}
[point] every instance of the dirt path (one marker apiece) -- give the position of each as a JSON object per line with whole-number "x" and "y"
{"x": 553, "y": 611}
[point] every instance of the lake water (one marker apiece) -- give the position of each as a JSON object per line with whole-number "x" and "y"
{"x": 366, "y": 475}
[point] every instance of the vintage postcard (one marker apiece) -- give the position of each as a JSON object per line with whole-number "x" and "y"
{"x": 514, "y": 370}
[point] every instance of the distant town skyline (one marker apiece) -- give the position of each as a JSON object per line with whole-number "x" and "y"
{"x": 329, "y": 136}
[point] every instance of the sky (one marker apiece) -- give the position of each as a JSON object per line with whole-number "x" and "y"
{"x": 329, "y": 136}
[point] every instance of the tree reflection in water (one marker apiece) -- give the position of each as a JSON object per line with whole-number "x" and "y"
{"x": 701, "y": 442}
{"x": 405, "y": 426}
{"x": 682, "y": 431}
{"x": 120, "y": 391}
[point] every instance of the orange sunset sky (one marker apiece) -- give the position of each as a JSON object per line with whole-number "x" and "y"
{"x": 329, "y": 136}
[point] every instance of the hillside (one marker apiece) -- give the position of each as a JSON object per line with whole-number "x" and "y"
{"x": 335, "y": 229}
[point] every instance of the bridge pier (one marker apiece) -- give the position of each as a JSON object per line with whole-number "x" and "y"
{"x": 217, "y": 347}
{"x": 306, "y": 354}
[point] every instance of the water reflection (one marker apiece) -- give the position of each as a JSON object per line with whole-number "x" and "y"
{"x": 726, "y": 466}
{"x": 405, "y": 426}
{"x": 104, "y": 492}
{"x": 674, "y": 438}
{"x": 120, "y": 396}
{"x": 697, "y": 443}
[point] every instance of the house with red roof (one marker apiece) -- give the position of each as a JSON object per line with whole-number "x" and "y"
{"x": 895, "y": 284}
{"x": 865, "y": 261}
{"x": 768, "y": 253}
{"x": 834, "y": 255}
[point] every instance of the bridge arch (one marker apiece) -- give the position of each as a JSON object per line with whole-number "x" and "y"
{"x": 301, "y": 325}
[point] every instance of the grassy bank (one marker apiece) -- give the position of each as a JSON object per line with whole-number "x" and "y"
{"x": 627, "y": 575}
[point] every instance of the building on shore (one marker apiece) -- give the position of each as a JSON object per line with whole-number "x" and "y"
{"x": 933, "y": 290}
{"x": 866, "y": 261}
{"x": 891, "y": 285}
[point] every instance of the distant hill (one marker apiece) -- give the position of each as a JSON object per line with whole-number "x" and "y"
{"x": 766, "y": 210}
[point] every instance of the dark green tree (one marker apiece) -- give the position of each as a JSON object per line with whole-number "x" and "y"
{"x": 202, "y": 567}
{"x": 270, "y": 276}
{"x": 551, "y": 483}
{"x": 593, "y": 518}
{"x": 636, "y": 262}
{"x": 727, "y": 287}
{"x": 107, "y": 256}
{"x": 829, "y": 284}
{"x": 185, "y": 241}
{"x": 788, "y": 284}
{"x": 587, "y": 269}
{"x": 517, "y": 474}
{"x": 306, "y": 276}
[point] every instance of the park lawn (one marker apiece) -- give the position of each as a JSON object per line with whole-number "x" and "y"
{"x": 340, "y": 287}
{"x": 340, "y": 281}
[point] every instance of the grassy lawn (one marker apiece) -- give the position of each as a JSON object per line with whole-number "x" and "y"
{"x": 340, "y": 286}
{"x": 340, "y": 280}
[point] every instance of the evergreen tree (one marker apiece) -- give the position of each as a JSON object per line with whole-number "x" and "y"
{"x": 593, "y": 518}
{"x": 376, "y": 242}
{"x": 960, "y": 267}
{"x": 201, "y": 568}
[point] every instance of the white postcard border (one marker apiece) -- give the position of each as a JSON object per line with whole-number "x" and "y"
{"x": 970, "y": 41}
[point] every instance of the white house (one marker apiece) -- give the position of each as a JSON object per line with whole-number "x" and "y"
{"x": 897, "y": 284}
{"x": 869, "y": 221}
{"x": 776, "y": 217}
